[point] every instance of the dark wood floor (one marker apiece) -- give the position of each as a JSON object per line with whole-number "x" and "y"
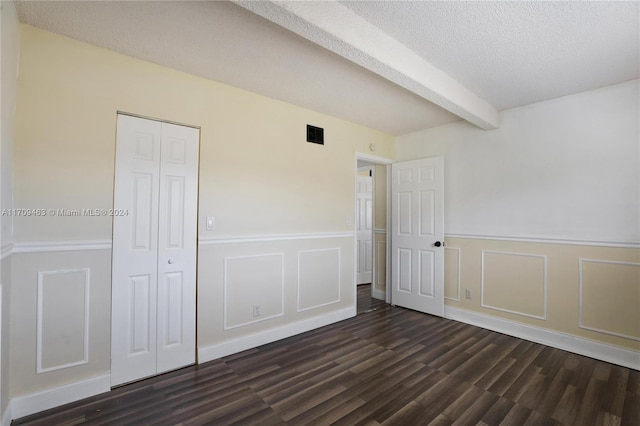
{"x": 385, "y": 366}
{"x": 365, "y": 302}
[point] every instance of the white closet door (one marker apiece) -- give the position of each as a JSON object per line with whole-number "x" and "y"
{"x": 154, "y": 249}
{"x": 177, "y": 247}
{"x": 135, "y": 250}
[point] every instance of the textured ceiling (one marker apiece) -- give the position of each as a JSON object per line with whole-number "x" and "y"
{"x": 507, "y": 53}
{"x": 515, "y": 53}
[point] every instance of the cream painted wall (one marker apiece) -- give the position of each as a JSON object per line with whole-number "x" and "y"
{"x": 566, "y": 170}
{"x": 10, "y": 47}
{"x": 9, "y": 57}
{"x": 258, "y": 177}
{"x": 253, "y": 152}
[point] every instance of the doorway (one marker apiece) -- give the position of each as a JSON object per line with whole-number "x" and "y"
{"x": 415, "y": 233}
{"x": 371, "y": 213}
{"x": 364, "y": 225}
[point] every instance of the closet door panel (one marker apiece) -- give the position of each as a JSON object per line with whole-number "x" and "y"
{"x": 177, "y": 241}
{"x": 135, "y": 250}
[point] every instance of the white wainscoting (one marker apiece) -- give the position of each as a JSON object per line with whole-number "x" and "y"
{"x": 41, "y": 320}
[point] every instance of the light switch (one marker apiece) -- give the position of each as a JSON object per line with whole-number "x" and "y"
{"x": 211, "y": 223}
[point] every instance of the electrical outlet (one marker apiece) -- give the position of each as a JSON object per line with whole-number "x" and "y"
{"x": 256, "y": 311}
{"x": 467, "y": 293}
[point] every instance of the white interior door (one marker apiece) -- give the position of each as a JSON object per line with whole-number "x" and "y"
{"x": 417, "y": 235}
{"x": 364, "y": 218}
{"x": 154, "y": 249}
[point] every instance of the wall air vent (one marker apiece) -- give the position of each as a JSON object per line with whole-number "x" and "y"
{"x": 315, "y": 134}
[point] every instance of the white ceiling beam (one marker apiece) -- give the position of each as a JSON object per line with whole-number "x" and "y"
{"x": 340, "y": 30}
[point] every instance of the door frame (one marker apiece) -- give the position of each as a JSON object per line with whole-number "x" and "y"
{"x": 387, "y": 163}
{"x": 372, "y": 175}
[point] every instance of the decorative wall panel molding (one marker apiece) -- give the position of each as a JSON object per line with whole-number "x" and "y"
{"x": 613, "y": 305}
{"x": 515, "y": 281}
{"x": 318, "y": 278}
{"x": 253, "y": 288}
{"x": 56, "y": 320}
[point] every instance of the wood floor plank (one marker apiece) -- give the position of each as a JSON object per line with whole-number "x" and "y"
{"x": 568, "y": 407}
{"x": 385, "y": 366}
{"x": 552, "y": 393}
{"x": 474, "y": 413}
{"x": 513, "y": 373}
{"x": 590, "y": 404}
{"x": 497, "y": 412}
{"x": 631, "y": 409}
{"x": 612, "y": 400}
{"x": 518, "y": 415}
{"x": 402, "y": 396}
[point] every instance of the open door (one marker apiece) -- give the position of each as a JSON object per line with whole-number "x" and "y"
{"x": 417, "y": 235}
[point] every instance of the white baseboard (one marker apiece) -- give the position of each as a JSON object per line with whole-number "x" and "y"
{"x": 25, "y": 405}
{"x": 7, "y": 416}
{"x": 579, "y": 345}
{"x": 378, "y": 294}
{"x": 243, "y": 343}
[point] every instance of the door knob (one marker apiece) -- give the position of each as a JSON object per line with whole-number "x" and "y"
{"x": 171, "y": 261}
{"x": 437, "y": 244}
